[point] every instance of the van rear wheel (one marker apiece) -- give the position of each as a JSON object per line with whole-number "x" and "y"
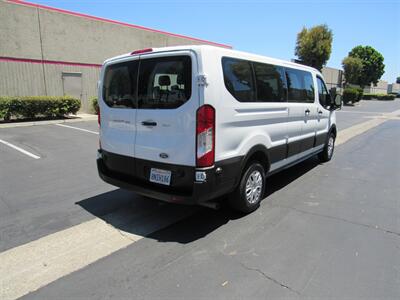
{"x": 250, "y": 191}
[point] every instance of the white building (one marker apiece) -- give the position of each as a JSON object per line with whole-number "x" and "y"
{"x": 380, "y": 88}
{"x": 393, "y": 88}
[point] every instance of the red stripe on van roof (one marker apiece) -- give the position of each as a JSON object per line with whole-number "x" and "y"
{"x": 21, "y": 2}
{"x": 49, "y": 62}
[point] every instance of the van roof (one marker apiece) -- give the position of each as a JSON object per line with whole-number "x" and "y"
{"x": 223, "y": 52}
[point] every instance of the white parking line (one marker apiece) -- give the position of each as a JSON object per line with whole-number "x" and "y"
{"x": 28, "y": 267}
{"x": 361, "y": 112}
{"x": 20, "y": 149}
{"x": 353, "y": 131}
{"x": 77, "y": 128}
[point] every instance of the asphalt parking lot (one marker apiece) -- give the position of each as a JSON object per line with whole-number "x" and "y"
{"x": 324, "y": 231}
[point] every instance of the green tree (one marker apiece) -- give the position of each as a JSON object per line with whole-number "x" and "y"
{"x": 373, "y": 66}
{"x": 314, "y": 46}
{"x": 353, "y": 67}
{"x": 398, "y": 80}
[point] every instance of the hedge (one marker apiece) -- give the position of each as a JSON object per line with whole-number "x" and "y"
{"x": 94, "y": 104}
{"x": 368, "y": 96}
{"x": 379, "y": 97}
{"x": 360, "y": 93}
{"x": 351, "y": 95}
{"x": 37, "y": 107}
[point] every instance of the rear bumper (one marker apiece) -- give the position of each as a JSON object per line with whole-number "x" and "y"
{"x": 184, "y": 189}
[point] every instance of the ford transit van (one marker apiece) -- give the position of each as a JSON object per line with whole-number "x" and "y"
{"x": 189, "y": 124}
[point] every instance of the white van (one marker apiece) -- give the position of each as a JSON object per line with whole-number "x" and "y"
{"x": 191, "y": 123}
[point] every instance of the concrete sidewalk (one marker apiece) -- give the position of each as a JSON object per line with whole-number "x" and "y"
{"x": 71, "y": 119}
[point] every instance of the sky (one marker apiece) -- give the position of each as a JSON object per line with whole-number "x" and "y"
{"x": 266, "y": 27}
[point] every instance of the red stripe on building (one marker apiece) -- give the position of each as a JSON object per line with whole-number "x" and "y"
{"x": 49, "y": 62}
{"x": 114, "y": 22}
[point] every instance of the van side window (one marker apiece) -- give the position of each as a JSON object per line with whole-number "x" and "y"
{"x": 164, "y": 82}
{"x": 323, "y": 94}
{"x": 300, "y": 86}
{"x": 238, "y": 77}
{"x": 270, "y": 83}
{"x": 119, "y": 88}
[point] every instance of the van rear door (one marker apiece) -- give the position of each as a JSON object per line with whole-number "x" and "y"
{"x": 166, "y": 110}
{"x": 118, "y": 114}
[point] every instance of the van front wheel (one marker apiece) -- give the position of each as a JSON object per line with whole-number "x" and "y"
{"x": 327, "y": 152}
{"x": 250, "y": 191}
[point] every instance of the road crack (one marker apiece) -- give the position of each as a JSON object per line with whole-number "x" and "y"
{"x": 124, "y": 234}
{"x": 120, "y": 232}
{"x": 342, "y": 219}
{"x": 269, "y": 278}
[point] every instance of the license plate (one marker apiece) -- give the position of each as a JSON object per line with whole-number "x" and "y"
{"x": 160, "y": 176}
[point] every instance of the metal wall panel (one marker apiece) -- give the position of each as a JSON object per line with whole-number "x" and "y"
{"x": 38, "y": 33}
{"x": 26, "y": 79}
{"x": 90, "y": 76}
{"x": 21, "y": 79}
{"x": 333, "y": 77}
{"x": 19, "y": 31}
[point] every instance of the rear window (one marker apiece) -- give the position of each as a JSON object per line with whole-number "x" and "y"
{"x": 164, "y": 82}
{"x": 119, "y": 85}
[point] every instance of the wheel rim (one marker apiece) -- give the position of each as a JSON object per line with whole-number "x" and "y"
{"x": 331, "y": 145}
{"x": 254, "y": 187}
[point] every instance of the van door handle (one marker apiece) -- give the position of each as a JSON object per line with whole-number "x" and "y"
{"x": 320, "y": 112}
{"x": 307, "y": 111}
{"x": 149, "y": 123}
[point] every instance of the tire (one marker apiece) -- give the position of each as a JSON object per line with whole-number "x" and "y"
{"x": 248, "y": 194}
{"x": 327, "y": 152}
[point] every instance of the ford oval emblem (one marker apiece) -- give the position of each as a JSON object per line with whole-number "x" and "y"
{"x": 163, "y": 155}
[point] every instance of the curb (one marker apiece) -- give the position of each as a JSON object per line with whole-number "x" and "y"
{"x": 78, "y": 118}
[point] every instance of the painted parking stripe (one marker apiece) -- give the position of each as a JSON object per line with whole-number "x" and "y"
{"x": 348, "y": 133}
{"x": 77, "y": 128}
{"x": 20, "y": 149}
{"x": 361, "y": 112}
{"x": 28, "y": 267}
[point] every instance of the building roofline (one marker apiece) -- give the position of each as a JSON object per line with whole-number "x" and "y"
{"x": 77, "y": 14}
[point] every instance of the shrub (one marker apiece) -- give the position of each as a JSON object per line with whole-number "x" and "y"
{"x": 368, "y": 96}
{"x": 379, "y": 97}
{"x": 385, "y": 97}
{"x": 360, "y": 92}
{"x": 350, "y": 95}
{"x": 37, "y": 106}
{"x": 5, "y": 108}
{"x": 95, "y": 105}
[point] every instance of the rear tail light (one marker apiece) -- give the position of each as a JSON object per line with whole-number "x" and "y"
{"x": 98, "y": 117}
{"x": 99, "y": 121}
{"x": 205, "y": 136}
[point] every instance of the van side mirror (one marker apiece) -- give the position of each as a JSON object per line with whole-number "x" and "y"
{"x": 337, "y": 102}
